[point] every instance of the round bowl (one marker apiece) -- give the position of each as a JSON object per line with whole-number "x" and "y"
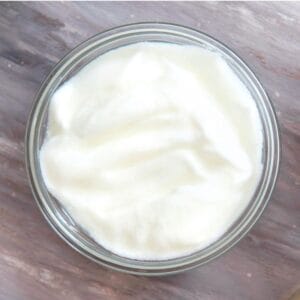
{"x": 58, "y": 217}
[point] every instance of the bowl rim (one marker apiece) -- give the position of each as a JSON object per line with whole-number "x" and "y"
{"x": 154, "y": 270}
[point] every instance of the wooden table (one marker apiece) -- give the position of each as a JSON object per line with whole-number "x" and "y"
{"x": 35, "y": 263}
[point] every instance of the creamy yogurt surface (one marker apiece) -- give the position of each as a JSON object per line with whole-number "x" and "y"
{"x": 154, "y": 149}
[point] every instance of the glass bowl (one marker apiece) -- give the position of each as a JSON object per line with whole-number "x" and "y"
{"x": 58, "y": 217}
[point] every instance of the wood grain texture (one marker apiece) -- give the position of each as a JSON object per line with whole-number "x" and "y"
{"x": 35, "y": 263}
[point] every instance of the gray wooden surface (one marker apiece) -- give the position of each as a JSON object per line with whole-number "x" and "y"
{"x": 35, "y": 263}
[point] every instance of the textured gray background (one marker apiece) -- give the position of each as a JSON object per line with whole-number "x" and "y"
{"x": 35, "y": 263}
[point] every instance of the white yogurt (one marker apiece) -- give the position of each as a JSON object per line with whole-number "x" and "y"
{"x": 154, "y": 149}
